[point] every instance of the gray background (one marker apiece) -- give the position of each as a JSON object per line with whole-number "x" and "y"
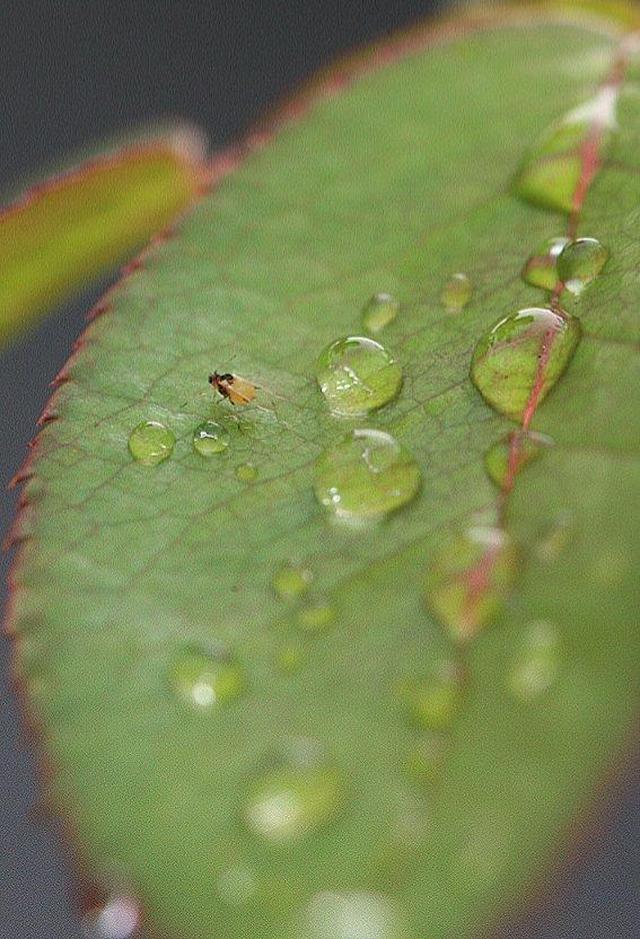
{"x": 73, "y": 72}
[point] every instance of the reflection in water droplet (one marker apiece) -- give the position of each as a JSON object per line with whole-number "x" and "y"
{"x": 540, "y": 269}
{"x": 293, "y": 801}
{"x": 457, "y": 293}
{"x": 522, "y": 356}
{"x": 246, "y": 472}
{"x": 317, "y": 618}
{"x": 550, "y": 173}
{"x": 291, "y": 581}
{"x": 536, "y": 666}
{"x": 507, "y": 456}
{"x": 151, "y": 442}
{"x": 357, "y": 375}
{"x": 468, "y": 579}
{"x": 352, "y": 916}
{"x": 210, "y": 438}
{"x": 425, "y": 758}
{"x": 580, "y": 262}
{"x": 432, "y": 702}
{"x": 117, "y": 918}
{"x": 381, "y": 310}
{"x": 203, "y": 679}
{"x": 366, "y": 476}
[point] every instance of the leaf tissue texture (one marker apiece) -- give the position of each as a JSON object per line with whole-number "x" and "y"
{"x": 257, "y": 726}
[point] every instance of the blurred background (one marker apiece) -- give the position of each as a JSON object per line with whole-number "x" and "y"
{"x": 73, "y": 72}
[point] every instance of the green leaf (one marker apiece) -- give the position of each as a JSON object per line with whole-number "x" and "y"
{"x": 258, "y": 726}
{"x": 63, "y": 232}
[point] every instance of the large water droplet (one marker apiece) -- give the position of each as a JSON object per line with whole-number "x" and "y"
{"x": 317, "y": 618}
{"x": 203, "y": 679}
{"x": 294, "y": 800}
{"x": 246, "y": 472}
{"x": 291, "y": 581}
{"x": 210, "y": 438}
{"x": 468, "y": 579}
{"x": 457, "y": 292}
{"x": 432, "y": 702}
{"x": 118, "y": 917}
{"x": 541, "y": 268}
{"x": 381, "y": 310}
{"x": 580, "y": 262}
{"x": 507, "y": 456}
{"x": 537, "y": 664}
{"x": 366, "y": 476}
{"x": 357, "y": 375}
{"x": 551, "y": 172}
{"x": 352, "y": 916}
{"x": 522, "y": 356}
{"x": 151, "y": 442}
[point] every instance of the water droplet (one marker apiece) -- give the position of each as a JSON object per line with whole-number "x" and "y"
{"x": 117, "y": 918}
{"x": 203, "y": 679}
{"x": 381, "y": 310}
{"x": 551, "y": 172}
{"x": 352, "y": 916}
{"x": 432, "y": 702}
{"x": 541, "y": 270}
{"x": 425, "y": 758}
{"x": 357, "y": 375}
{"x": 580, "y": 262}
{"x": 457, "y": 292}
{"x": 366, "y": 476}
{"x": 291, "y": 581}
{"x": 294, "y": 800}
{"x": 507, "y": 456}
{"x": 537, "y": 663}
{"x": 210, "y": 438}
{"x": 151, "y": 442}
{"x": 246, "y": 472}
{"x": 522, "y": 356}
{"x": 317, "y": 618}
{"x": 468, "y": 579}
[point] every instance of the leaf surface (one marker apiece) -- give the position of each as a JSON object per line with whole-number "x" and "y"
{"x": 394, "y": 184}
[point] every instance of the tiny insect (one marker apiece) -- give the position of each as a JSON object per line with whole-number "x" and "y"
{"x": 238, "y": 390}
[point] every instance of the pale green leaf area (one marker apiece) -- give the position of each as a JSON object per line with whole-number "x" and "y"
{"x": 392, "y": 185}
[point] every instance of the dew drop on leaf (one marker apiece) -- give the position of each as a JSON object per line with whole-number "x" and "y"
{"x": 522, "y": 356}
{"x": 432, "y": 702}
{"x": 203, "y": 679}
{"x": 210, "y": 438}
{"x": 352, "y": 916}
{"x": 540, "y": 269}
{"x": 290, "y": 581}
{"x": 316, "y": 618}
{"x": 507, "y": 456}
{"x": 381, "y": 310}
{"x": 151, "y": 442}
{"x": 366, "y": 476}
{"x": 246, "y": 472}
{"x": 580, "y": 262}
{"x": 357, "y": 375}
{"x": 457, "y": 292}
{"x": 537, "y": 663}
{"x": 468, "y": 578}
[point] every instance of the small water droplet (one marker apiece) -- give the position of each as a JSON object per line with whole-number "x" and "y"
{"x": 366, "y": 476}
{"x": 210, "y": 438}
{"x": 352, "y": 916}
{"x": 425, "y": 758}
{"x": 507, "y": 456}
{"x": 294, "y": 800}
{"x": 468, "y": 579}
{"x": 550, "y": 173}
{"x": 381, "y": 310}
{"x": 523, "y": 355}
{"x": 203, "y": 679}
{"x": 580, "y": 262}
{"x": 246, "y": 472}
{"x": 291, "y": 581}
{"x": 541, "y": 268}
{"x": 537, "y": 663}
{"x": 357, "y": 375}
{"x": 118, "y": 917}
{"x": 457, "y": 292}
{"x": 432, "y": 702}
{"x": 151, "y": 442}
{"x": 317, "y": 618}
